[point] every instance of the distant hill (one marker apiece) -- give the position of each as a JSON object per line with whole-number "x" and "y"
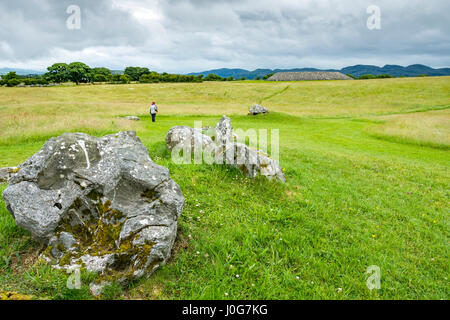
{"x": 21, "y": 72}
{"x": 356, "y": 71}
{"x": 24, "y": 72}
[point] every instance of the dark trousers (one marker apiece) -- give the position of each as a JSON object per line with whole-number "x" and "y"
{"x": 154, "y": 117}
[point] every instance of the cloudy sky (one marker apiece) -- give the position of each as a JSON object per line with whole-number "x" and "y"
{"x": 194, "y": 35}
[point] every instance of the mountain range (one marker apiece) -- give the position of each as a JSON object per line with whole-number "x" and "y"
{"x": 20, "y": 72}
{"x": 25, "y": 72}
{"x": 356, "y": 71}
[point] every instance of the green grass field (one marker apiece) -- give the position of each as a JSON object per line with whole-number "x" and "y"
{"x": 367, "y": 168}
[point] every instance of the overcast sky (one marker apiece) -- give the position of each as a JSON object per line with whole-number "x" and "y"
{"x": 194, "y": 35}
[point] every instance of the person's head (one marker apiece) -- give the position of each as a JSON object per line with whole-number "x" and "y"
{"x": 153, "y": 103}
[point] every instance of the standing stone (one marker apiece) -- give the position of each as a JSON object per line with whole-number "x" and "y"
{"x": 224, "y": 131}
{"x": 97, "y": 203}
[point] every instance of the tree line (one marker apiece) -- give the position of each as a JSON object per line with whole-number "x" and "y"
{"x": 78, "y": 72}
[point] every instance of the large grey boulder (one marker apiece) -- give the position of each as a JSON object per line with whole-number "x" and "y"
{"x": 7, "y": 173}
{"x": 257, "y": 109}
{"x": 97, "y": 203}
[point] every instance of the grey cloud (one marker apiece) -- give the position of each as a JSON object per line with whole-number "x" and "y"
{"x": 193, "y": 35}
{"x": 33, "y": 28}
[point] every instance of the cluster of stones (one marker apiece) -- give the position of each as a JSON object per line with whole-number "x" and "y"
{"x": 99, "y": 204}
{"x": 224, "y": 149}
{"x": 257, "y": 109}
{"x": 308, "y": 76}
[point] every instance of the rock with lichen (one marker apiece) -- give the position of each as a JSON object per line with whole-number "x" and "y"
{"x": 252, "y": 162}
{"x": 224, "y": 131}
{"x": 257, "y": 109}
{"x": 225, "y": 150}
{"x": 100, "y": 204}
{"x": 183, "y": 135}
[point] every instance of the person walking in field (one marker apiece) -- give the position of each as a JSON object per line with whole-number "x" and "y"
{"x": 153, "y": 111}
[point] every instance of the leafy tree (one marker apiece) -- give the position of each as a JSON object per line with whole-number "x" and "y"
{"x": 42, "y": 81}
{"x": 101, "y": 74}
{"x": 11, "y": 75}
{"x": 258, "y": 78}
{"x": 58, "y": 72}
{"x": 79, "y": 72}
{"x": 243, "y": 78}
{"x": 267, "y": 76}
{"x": 213, "y": 77}
{"x": 154, "y": 77}
{"x": 367, "y": 76}
{"x": 115, "y": 78}
{"x": 125, "y": 78}
{"x": 103, "y": 71}
{"x": 135, "y": 73}
{"x": 100, "y": 78}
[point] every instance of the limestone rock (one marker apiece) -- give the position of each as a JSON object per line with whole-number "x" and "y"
{"x": 133, "y": 118}
{"x": 257, "y": 109}
{"x": 224, "y": 131}
{"x": 98, "y": 203}
{"x": 251, "y": 162}
{"x": 181, "y": 135}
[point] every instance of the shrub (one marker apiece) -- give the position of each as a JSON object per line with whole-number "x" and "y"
{"x": 371, "y": 76}
{"x": 267, "y": 76}
{"x": 42, "y": 81}
{"x": 100, "y": 78}
{"x": 13, "y": 82}
{"x": 125, "y": 79}
{"x": 213, "y": 77}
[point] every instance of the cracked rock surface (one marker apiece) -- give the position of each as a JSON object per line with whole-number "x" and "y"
{"x": 97, "y": 203}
